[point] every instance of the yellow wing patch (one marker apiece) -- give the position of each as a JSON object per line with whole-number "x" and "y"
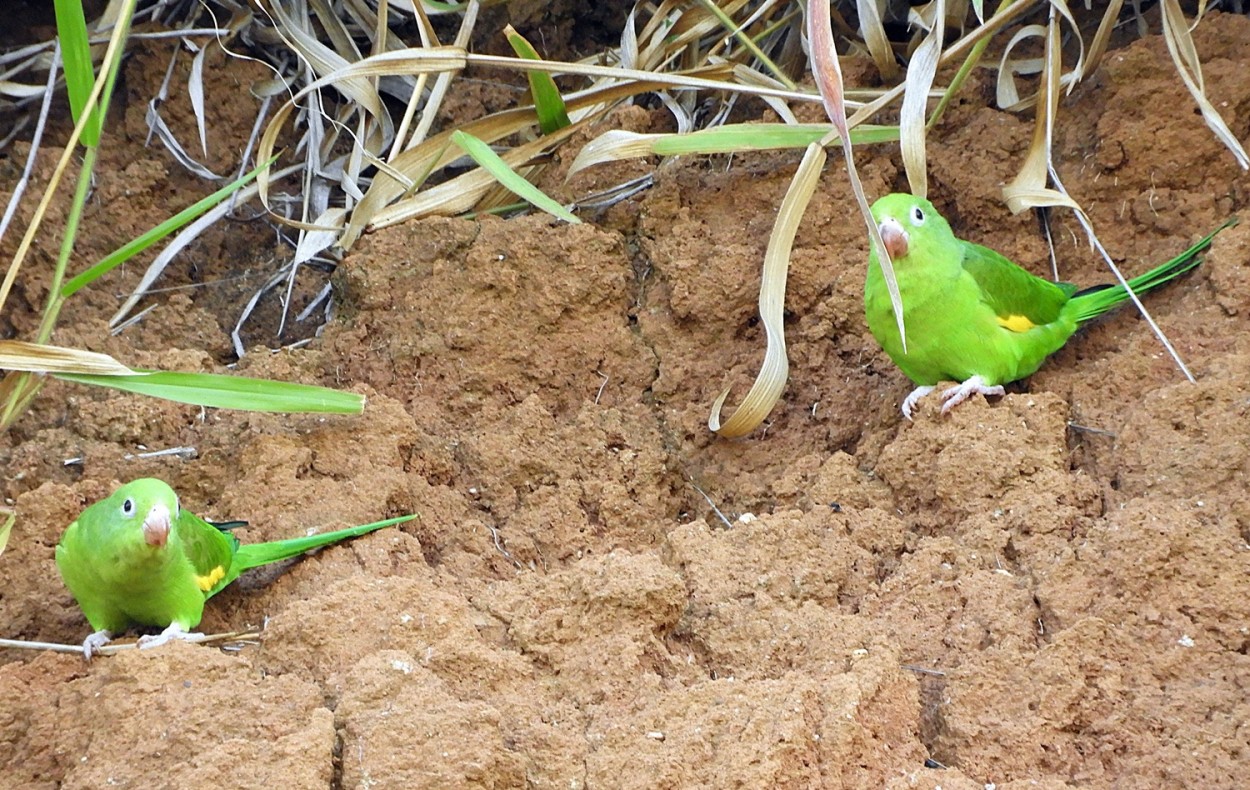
{"x": 1015, "y": 323}
{"x": 209, "y": 580}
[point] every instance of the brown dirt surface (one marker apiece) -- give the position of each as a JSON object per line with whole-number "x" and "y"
{"x": 1049, "y": 590}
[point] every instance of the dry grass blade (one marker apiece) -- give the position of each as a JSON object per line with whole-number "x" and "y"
{"x": 1185, "y": 56}
{"x": 1078, "y": 71}
{"x": 1007, "y": 95}
{"x": 19, "y": 90}
{"x": 912, "y": 126}
{"x": 1029, "y": 188}
{"x": 873, "y": 33}
{"x": 40, "y": 358}
{"x": 36, "y": 140}
{"x": 349, "y": 81}
{"x": 738, "y": 31}
{"x": 690, "y": 79}
{"x": 828, "y": 75}
{"x": 1098, "y": 47}
{"x": 748, "y": 76}
{"x": 349, "y": 78}
{"x": 618, "y": 144}
{"x": 195, "y": 91}
{"x": 442, "y": 82}
{"x": 674, "y": 30}
{"x": 157, "y": 126}
{"x": 313, "y": 242}
{"x": 771, "y": 379}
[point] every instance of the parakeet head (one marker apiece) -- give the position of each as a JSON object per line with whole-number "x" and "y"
{"x": 146, "y": 507}
{"x": 908, "y": 224}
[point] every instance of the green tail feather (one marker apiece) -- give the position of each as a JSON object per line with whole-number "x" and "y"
{"x": 1093, "y": 302}
{"x": 254, "y": 555}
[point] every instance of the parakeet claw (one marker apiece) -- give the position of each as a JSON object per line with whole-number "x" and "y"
{"x": 92, "y": 644}
{"x": 960, "y": 393}
{"x": 174, "y": 631}
{"x": 909, "y": 403}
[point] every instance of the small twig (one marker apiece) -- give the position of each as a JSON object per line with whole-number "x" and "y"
{"x": 1050, "y": 245}
{"x": 599, "y": 394}
{"x": 110, "y": 649}
{"x": 1089, "y": 429}
{"x": 923, "y": 670}
{"x": 322, "y": 295}
{"x": 185, "y": 453}
{"x": 615, "y": 194}
{"x": 134, "y": 319}
{"x": 711, "y": 504}
{"x": 494, "y": 533}
{"x": 236, "y": 335}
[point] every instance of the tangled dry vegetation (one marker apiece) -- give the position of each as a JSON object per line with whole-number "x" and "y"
{"x": 348, "y": 137}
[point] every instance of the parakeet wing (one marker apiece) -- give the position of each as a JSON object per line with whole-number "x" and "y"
{"x": 1014, "y": 294}
{"x": 210, "y": 550}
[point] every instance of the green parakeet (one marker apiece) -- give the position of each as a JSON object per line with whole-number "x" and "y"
{"x": 137, "y": 558}
{"x": 971, "y": 315}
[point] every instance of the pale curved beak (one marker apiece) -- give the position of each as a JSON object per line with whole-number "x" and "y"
{"x": 894, "y": 236}
{"x": 156, "y": 526}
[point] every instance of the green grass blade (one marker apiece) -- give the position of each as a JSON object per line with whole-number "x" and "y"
{"x": 480, "y": 152}
{"x": 229, "y": 392}
{"x": 153, "y": 236}
{"x": 734, "y": 138}
{"x": 71, "y": 26}
{"x": 735, "y": 29}
{"x": 6, "y": 529}
{"x": 548, "y": 103}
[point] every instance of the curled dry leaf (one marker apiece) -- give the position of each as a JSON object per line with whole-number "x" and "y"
{"x": 771, "y": 379}
{"x": 1029, "y": 189}
{"x": 1185, "y": 56}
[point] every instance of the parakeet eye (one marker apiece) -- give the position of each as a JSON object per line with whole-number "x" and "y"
{"x": 917, "y": 215}
{"x": 128, "y": 507}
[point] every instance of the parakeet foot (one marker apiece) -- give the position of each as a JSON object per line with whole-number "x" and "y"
{"x": 973, "y": 386}
{"x": 92, "y": 644}
{"x": 174, "y": 631}
{"x": 909, "y": 403}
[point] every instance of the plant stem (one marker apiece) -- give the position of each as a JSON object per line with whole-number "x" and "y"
{"x": 55, "y": 299}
